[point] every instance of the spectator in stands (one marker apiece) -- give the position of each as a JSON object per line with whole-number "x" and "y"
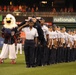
{"x": 32, "y": 10}
{"x": 8, "y": 8}
{"x": 28, "y": 9}
{"x": 0, "y": 8}
{"x": 65, "y": 10}
{"x": 54, "y": 10}
{"x": 24, "y": 8}
{"x": 61, "y": 10}
{"x": 20, "y": 8}
{"x": 12, "y": 8}
{"x": 5, "y": 8}
{"x": 37, "y": 9}
{"x": 71, "y": 9}
{"x": 15, "y": 8}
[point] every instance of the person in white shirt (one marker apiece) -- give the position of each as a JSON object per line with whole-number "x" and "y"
{"x": 30, "y": 43}
{"x": 63, "y": 44}
{"x": 54, "y": 45}
{"x": 50, "y": 44}
{"x": 68, "y": 47}
{"x": 19, "y": 45}
{"x": 74, "y": 45}
{"x": 58, "y": 42}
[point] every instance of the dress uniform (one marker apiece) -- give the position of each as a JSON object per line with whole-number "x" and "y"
{"x": 54, "y": 47}
{"x": 44, "y": 46}
{"x": 41, "y": 41}
{"x": 50, "y": 43}
{"x": 63, "y": 44}
{"x": 74, "y": 47}
{"x": 68, "y": 47}
{"x": 39, "y": 30}
{"x": 46, "y": 34}
{"x": 41, "y": 38}
{"x": 29, "y": 46}
{"x": 71, "y": 48}
{"x": 62, "y": 41}
{"x": 55, "y": 43}
{"x": 58, "y": 48}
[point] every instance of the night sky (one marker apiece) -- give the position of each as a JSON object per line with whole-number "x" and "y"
{"x": 29, "y": 3}
{"x": 18, "y": 2}
{"x": 36, "y": 2}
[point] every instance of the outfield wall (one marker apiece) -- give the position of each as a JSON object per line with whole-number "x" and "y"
{"x": 58, "y": 18}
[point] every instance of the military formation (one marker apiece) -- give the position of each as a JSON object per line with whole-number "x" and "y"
{"x": 44, "y": 45}
{"x": 52, "y": 45}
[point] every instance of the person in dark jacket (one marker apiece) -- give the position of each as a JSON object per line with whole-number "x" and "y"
{"x": 37, "y": 26}
{"x": 30, "y": 43}
{"x": 41, "y": 39}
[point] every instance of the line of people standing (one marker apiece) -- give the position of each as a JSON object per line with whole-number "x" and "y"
{"x": 47, "y": 45}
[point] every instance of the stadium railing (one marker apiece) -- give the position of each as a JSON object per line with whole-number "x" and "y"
{"x": 41, "y": 14}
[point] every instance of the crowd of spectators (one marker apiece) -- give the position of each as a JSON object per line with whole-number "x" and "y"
{"x": 64, "y": 9}
{"x": 24, "y": 8}
{"x": 19, "y": 8}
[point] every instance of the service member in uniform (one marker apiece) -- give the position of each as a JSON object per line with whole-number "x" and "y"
{"x": 44, "y": 46}
{"x": 58, "y": 42}
{"x": 41, "y": 39}
{"x": 30, "y": 43}
{"x": 54, "y": 45}
{"x": 74, "y": 45}
{"x": 50, "y": 43}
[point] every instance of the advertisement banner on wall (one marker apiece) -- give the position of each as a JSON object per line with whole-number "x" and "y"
{"x": 0, "y": 17}
{"x": 19, "y": 19}
{"x": 64, "y": 19}
{"x": 1, "y": 41}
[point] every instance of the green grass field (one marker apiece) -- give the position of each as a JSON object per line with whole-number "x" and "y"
{"x": 20, "y": 68}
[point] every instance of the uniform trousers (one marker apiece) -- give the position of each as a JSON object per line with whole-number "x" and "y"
{"x": 71, "y": 55}
{"x": 58, "y": 55}
{"x": 38, "y": 55}
{"x": 68, "y": 54}
{"x": 29, "y": 49}
{"x": 46, "y": 51}
{"x": 61, "y": 54}
{"x": 42, "y": 55}
{"x": 75, "y": 53}
{"x": 53, "y": 55}
{"x": 49, "y": 56}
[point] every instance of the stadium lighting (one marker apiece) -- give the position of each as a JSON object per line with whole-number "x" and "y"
{"x": 10, "y": 2}
{"x": 44, "y": 2}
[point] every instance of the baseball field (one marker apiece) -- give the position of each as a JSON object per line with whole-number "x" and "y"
{"x": 20, "y": 68}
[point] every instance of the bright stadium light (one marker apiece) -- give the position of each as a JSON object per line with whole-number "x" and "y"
{"x": 44, "y": 2}
{"x": 10, "y": 2}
